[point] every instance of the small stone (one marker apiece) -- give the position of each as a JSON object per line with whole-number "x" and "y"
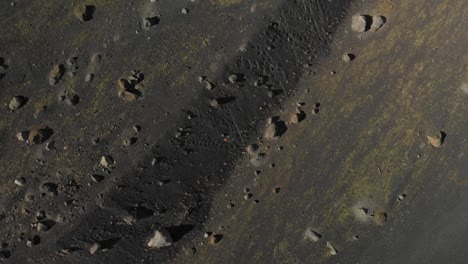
{"x": 214, "y": 238}
{"x": 276, "y": 190}
{"x": 36, "y": 136}
{"x": 84, "y": 12}
{"x": 89, "y": 77}
{"x": 360, "y": 23}
{"x": 161, "y": 238}
{"x": 331, "y": 248}
{"x": 274, "y": 130}
{"x": 20, "y": 181}
{"x": 248, "y": 196}
{"x": 401, "y": 197}
{"x": 355, "y": 237}
{"x": 97, "y": 177}
{"x": 106, "y": 161}
{"x": 252, "y": 149}
{"x": 150, "y": 21}
{"x": 129, "y": 141}
{"x": 41, "y": 227}
{"x": 348, "y": 57}
{"x": 438, "y": 140}
{"x": 233, "y": 78}
{"x": 94, "y": 248}
{"x": 190, "y": 251}
{"x": 56, "y": 74}
{"x": 17, "y": 102}
{"x": 380, "y": 218}
{"x": 49, "y": 187}
{"x": 185, "y": 11}
{"x": 209, "y": 85}
{"x": 377, "y": 22}
{"x": 136, "y": 128}
{"x": 311, "y": 235}
{"x": 297, "y": 117}
{"x": 50, "y": 145}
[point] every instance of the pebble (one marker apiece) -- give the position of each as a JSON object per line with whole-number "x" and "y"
{"x": 94, "y": 248}
{"x": 214, "y": 238}
{"x": 331, "y": 248}
{"x": 84, "y": 12}
{"x": 17, "y": 102}
{"x": 185, "y": 11}
{"x": 348, "y": 57}
{"x": 106, "y": 161}
{"x": 56, "y": 74}
{"x": 401, "y": 197}
{"x": 20, "y": 181}
{"x": 41, "y": 227}
{"x": 377, "y": 22}
{"x": 438, "y": 140}
{"x": 274, "y": 130}
{"x": 49, "y": 187}
{"x": 89, "y": 77}
{"x": 360, "y": 23}
{"x": 50, "y": 145}
{"x": 161, "y": 238}
{"x": 311, "y": 235}
{"x": 97, "y": 177}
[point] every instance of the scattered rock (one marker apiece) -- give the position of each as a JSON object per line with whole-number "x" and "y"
{"x": 150, "y": 21}
{"x": 94, "y": 248}
{"x": 106, "y": 162}
{"x": 89, "y": 77}
{"x": 84, "y": 12}
{"x": 331, "y": 248}
{"x": 438, "y": 140}
{"x": 380, "y": 218}
{"x": 129, "y": 90}
{"x": 252, "y": 149}
{"x": 50, "y": 145}
{"x": 97, "y": 177}
{"x": 401, "y": 197}
{"x": 219, "y": 101}
{"x": 311, "y": 235}
{"x": 276, "y": 190}
{"x": 185, "y": 11}
{"x": 56, "y": 74}
{"x": 233, "y": 78}
{"x": 20, "y": 181}
{"x": 214, "y": 238}
{"x": 275, "y": 130}
{"x": 36, "y": 136}
{"x": 41, "y": 227}
{"x": 297, "y": 117}
{"x": 161, "y": 238}
{"x": 17, "y": 102}
{"x": 377, "y": 22}
{"x": 361, "y": 23}
{"x": 70, "y": 99}
{"x": 209, "y": 85}
{"x": 348, "y": 57}
{"x": 129, "y": 141}
{"x": 49, "y": 187}
{"x": 136, "y": 128}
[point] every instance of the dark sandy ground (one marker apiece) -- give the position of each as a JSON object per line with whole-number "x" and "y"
{"x": 358, "y": 170}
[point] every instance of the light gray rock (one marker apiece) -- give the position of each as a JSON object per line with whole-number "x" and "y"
{"x": 161, "y": 238}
